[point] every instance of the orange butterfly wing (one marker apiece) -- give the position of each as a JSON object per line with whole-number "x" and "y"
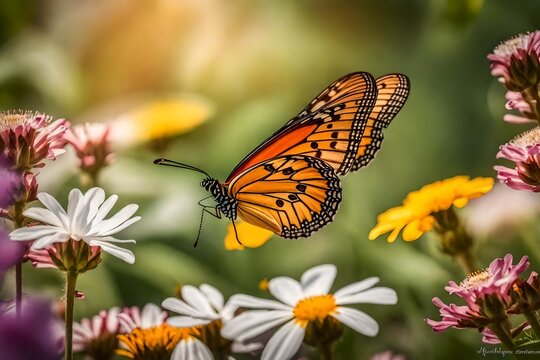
{"x": 393, "y": 90}
{"x": 329, "y": 128}
{"x": 291, "y": 195}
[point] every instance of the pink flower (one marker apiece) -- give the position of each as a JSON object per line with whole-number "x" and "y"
{"x": 92, "y": 145}
{"x": 29, "y": 138}
{"x": 524, "y": 150}
{"x": 456, "y": 316}
{"x": 515, "y": 101}
{"x": 96, "y": 337}
{"x": 515, "y": 61}
{"x": 150, "y": 316}
{"x": 497, "y": 279}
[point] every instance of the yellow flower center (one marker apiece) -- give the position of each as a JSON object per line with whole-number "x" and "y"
{"x": 475, "y": 279}
{"x": 264, "y": 284}
{"x": 314, "y": 308}
{"x": 153, "y": 343}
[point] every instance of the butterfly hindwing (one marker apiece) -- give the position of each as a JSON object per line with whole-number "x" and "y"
{"x": 329, "y": 128}
{"x": 291, "y": 195}
{"x": 392, "y": 92}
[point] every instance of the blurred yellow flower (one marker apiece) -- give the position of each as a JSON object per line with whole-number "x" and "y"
{"x": 250, "y": 236}
{"x": 161, "y": 119}
{"x": 421, "y": 208}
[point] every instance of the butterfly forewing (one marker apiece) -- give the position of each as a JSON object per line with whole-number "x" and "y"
{"x": 329, "y": 128}
{"x": 393, "y": 90}
{"x": 292, "y": 196}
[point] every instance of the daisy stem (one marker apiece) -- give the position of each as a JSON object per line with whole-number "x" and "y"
{"x": 71, "y": 280}
{"x": 532, "y": 318}
{"x": 326, "y": 351}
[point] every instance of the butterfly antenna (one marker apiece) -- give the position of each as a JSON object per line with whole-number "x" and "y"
{"x": 172, "y": 163}
{"x": 236, "y": 233}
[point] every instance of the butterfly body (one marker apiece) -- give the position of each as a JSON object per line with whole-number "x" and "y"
{"x": 289, "y": 184}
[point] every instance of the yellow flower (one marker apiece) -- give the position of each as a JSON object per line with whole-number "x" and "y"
{"x": 420, "y": 209}
{"x": 250, "y": 236}
{"x": 161, "y": 119}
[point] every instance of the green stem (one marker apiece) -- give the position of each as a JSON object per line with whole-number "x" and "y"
{"x": 18, "y": 290}
{"x": 532, "y": 318}
{"x": 326, "y": 351}
{"x": 467, "y": 262}
{"x": 503, "y": 335}
{"x": 71, "y": 280}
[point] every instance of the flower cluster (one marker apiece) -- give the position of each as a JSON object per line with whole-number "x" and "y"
{"x": 491, "y": 296}
{"x": 205, "y": 326}
{"x": 517, "y": 64}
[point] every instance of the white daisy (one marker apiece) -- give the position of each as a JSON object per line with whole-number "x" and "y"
{"x": 84, "y": 220}
{"x": 205, "y": 307}
{"x": 301, "y": 303}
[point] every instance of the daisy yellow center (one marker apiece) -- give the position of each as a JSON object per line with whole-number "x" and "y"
{"x": 314, "y": 308}
{"x": 475, "y": 279}
{"x": 153, "y": 343}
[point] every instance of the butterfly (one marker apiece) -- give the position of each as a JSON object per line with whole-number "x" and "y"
{"x": 290, "y": 183}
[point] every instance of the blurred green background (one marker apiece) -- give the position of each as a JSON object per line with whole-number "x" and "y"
{"x": 259, "y": 63}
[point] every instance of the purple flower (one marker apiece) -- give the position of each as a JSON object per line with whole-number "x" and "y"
{"x": 10, "y": 253}
{"x": 36, "y": 335}
{"x": 10, "y": 181}
{"x": 524, "y": 150}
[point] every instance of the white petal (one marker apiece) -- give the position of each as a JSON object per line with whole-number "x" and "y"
{"x": 186, "y": 321}
{"x": 43, "y": 215}
{"x": 254, "y": 322}
{"x": 285, "y": 342}
{"x": 357, "y": 320}
{"x": 252, "y": 302}
{"x": 214, "y": 296}
{"x": 318, "y": 280}
{"x": 124, "y": 214}
{"x": 180, "y": 307}
{"x": 45, "y": 241}
{"x": 121, "y": 253}
{"x": 33, "y": 232}
{"x": 196, "y": 298}
{"x": 356, "y": 287}
{"x": 89, "y": 239}
{"x": 201, "y": 351}
{"x": 53, "y": 205}
{"x": 121, "y": 226}
{"x": 378, "y": 295}
{"x": 105, "y": 208}
{"x": 285, "y": 289}
{"x": 74, "y": 198}
{"x": 96, "y": 197}
{"x": 151, "y": 316}
{"x": 181, "y": 351}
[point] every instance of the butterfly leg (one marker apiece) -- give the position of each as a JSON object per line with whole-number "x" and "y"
{"x": 215, "y": 213}
{"x": 236, "y": 233}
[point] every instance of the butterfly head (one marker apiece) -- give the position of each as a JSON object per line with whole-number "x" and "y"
{"x": 211, "y": 185}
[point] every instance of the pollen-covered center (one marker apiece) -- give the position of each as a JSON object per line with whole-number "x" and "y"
{"x": 314, "y": 308}
{"x": 528, "y": 138}
{"x": 476, "y": 279}
{"x": 12, "y": 119}
{"x": 510, "y": 46}
{"x": 152, "y": 343}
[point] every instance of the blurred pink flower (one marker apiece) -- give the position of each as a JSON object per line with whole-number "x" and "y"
{"x": 515, "y": 101}
{"x": 387, "y": 355}
{"x": 515, "y": 61}
{"x": 524, "y": 150}
{"x": 150, "y": 316}
{"x": 29, "y": 138}
{"x": 11, "y": 253}
{"x": 92, "y": 146}
{"x": 96, "y": 337}
{"x": 10, "y": 180}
